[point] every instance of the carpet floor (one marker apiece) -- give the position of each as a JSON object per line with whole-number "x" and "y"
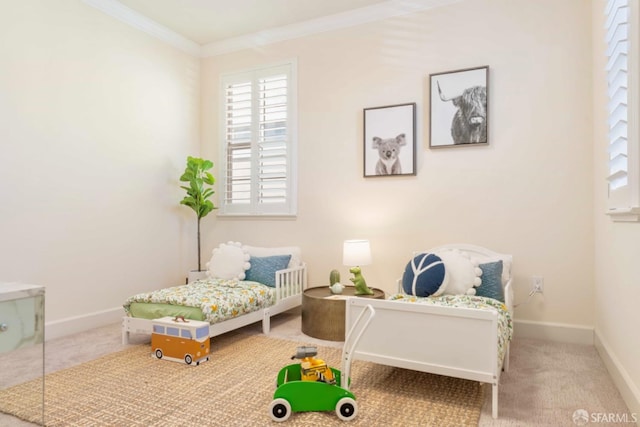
{"x": 546, "y": 383}
{"x": 130, "y": 388}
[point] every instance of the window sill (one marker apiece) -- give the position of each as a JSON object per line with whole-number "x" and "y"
{"x": 624, "y": 214}
{"x": 256, "y": 216}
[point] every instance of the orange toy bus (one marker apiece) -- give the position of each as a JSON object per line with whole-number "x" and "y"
{"x": 180, "y": 340}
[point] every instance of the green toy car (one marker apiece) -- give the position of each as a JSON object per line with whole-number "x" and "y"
{"x": 311, "y": 385}
{"x": 297, "y": 395}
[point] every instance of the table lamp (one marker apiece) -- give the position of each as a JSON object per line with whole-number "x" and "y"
{"x": 356, "y": 253}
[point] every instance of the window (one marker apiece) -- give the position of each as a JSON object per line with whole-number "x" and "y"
{"x": 258, "y": 141}
{"x": 622, "y": 86}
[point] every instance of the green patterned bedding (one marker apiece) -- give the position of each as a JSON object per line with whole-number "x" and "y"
{"x": 212, "y": 300}
{"x": 505, "y": 324}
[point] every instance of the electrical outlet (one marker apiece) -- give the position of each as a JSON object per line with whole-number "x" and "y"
{"x": 537, "y": 284}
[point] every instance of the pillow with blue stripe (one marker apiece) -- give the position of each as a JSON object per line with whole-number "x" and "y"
{"x": 424, "y": 276}
{"x": 263, "y": 269}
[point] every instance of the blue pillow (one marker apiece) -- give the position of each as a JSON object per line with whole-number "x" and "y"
{"x": 263, "y": 269}
{"x": 491, "y": 281}
{"x": 424, "y": 275}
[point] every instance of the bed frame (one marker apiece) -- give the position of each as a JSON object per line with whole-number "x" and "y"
{"x": 456, "y": 342}
{"x": 289, "y": 286}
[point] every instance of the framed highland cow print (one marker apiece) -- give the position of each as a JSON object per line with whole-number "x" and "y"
{"x": 390, "y": 140}
{"x": 459, "y": 108}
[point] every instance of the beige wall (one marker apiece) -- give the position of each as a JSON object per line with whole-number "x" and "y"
{"x": 617, "y": 245}
{"x": 529, "y": 193}
{"x": 96, "y": 120}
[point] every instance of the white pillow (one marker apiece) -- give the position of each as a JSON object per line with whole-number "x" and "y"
{"x": 463, "y": 271}
{"x": 294, "y": 251}
{"x": 228, "y": 261}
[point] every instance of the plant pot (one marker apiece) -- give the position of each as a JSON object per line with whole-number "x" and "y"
{"x": 196, "y": 275}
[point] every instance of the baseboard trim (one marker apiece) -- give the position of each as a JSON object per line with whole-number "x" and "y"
{"x": 72, "y": 325}
{"x": 629, "y": 391}
{"x": 557, "y": 332}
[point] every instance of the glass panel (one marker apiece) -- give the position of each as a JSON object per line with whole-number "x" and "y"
{"x": 22, "y": 343}
{"x": 202, "y": 332}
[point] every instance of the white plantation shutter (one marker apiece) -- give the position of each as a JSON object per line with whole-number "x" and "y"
{"x": 272, "y": 139}
{"x": 622, "y": 53}
{"x": 238, "y": 143}
{"x": 617, "y": 27}
{"x": 259, "y": 146}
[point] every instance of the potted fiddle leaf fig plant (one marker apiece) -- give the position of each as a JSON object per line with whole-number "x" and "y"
{"x": 198, "y": 191}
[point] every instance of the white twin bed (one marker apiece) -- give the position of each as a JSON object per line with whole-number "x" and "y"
{"x": 466, "y": 337}
{"x": 226, "y": 303}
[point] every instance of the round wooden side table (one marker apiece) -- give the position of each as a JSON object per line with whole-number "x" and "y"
{"x": 323, "y": 313}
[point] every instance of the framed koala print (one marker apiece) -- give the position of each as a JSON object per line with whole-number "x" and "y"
{"x": 390, "y": 140}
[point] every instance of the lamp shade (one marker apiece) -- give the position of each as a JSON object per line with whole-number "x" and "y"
{"x": 356, "y": 253}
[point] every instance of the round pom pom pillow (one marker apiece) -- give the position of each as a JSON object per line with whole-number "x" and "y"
{"x": 464, "y": 273}
{"x": 229, "y": 261}
{"x": 425, "y": 275}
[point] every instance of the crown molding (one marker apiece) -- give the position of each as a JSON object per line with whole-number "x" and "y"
{"x": 364, "y": 15}
{"x": 131, "y": 17}
{"x": 377, "y": 12}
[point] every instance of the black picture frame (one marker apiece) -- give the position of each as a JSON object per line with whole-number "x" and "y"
{"x": 390, "y": 140}
{"x": 459, "y": 108}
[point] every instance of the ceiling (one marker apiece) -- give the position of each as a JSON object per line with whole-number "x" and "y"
{"x": 212, "y": 21}
{"x": 207, "y": 28}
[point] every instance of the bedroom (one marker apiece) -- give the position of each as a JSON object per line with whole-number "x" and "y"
{"x": 98, "y": 117}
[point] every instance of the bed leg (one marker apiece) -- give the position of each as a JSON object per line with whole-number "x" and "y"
{"x": 494, "y": 401}
{"x": 505, "y": 363}
{"x": 125, "y": 333}
{"x": 266, "y": 322}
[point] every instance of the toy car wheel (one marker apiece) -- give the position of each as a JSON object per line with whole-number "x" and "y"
{"x": 188, "y": 359}
{"x": 159, "y": 354}
{"x": 346, "y": 408}
{"x": 280, "y": 410}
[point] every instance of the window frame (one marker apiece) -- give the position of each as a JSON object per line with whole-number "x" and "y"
{"x": 623, "y": 204}
{"x": 254, "y": 208}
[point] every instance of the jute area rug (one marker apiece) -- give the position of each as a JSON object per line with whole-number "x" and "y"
{"x": 234, "y": 388}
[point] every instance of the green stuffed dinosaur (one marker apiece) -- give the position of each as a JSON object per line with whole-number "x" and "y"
{"x": 358, "y": 281}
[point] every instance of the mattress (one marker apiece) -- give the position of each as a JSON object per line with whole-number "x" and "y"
{"x": 212, "y": 300}
{"x": 505, "y": 323}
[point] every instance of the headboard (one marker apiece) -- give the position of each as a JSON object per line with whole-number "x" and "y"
{"x": 482, "y": 254}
